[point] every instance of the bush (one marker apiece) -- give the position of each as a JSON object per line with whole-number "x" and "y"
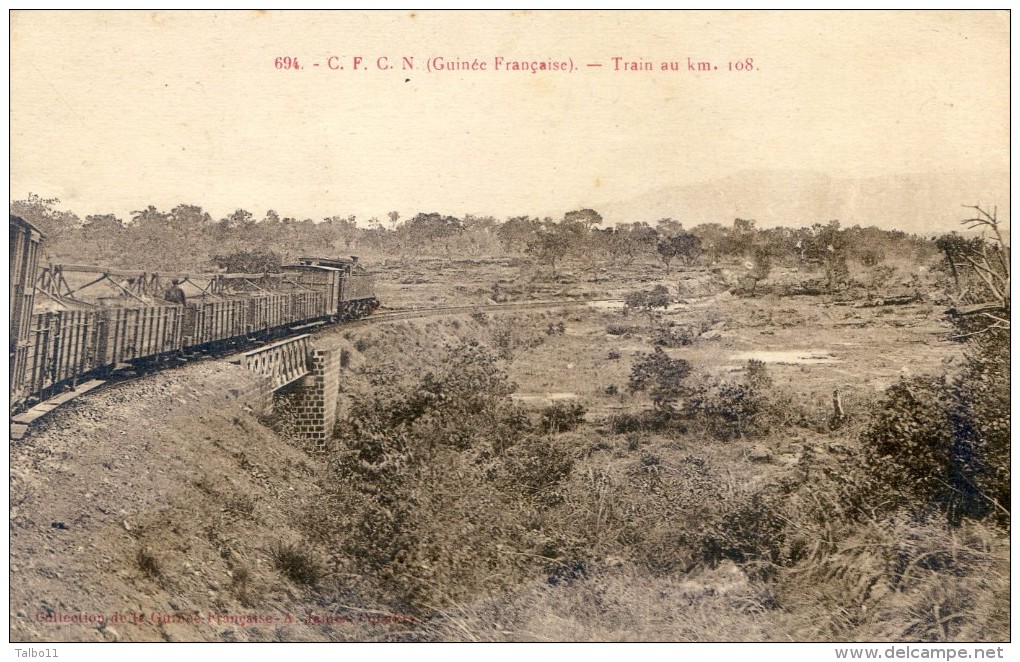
{"x": 510, "y": 335}
{"x": 661, "y": 376}
{"x": 946, "y": 442}
{"x": 644, "y": 421}
{"x": 297, "y": 564}
{"x": 750, "y": 531}
{"x": 871, "y": 257}
{"x": 742, "y": 409}
{"x": 562, "y": 417}
{"x": 648, "y": 300}
{"x": 535, "y": 466}
{"x": 731, "y": 409}
{"x": 678, "y": 336}
{"x": 149, "y": 564}
{"x": 556, "y": 329}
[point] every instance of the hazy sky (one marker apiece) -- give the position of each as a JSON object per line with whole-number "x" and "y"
{"x": 113, "y": 111}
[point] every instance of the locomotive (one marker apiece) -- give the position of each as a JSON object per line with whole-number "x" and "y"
{"x": 59, "y": 335}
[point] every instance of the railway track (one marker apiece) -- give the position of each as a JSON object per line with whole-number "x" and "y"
{"x": 21, "y": 423}
{"x": 385, "y": 314}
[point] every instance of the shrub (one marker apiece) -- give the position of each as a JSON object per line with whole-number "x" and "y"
{"x": 648, "y": 300}
{"x": 148, "y": 563}
{"x": 241, "y": 505}
{"x": 297, "y": 564}
{"x": 946, "y": 442}
{"x": 556, "y": 329}
{"x": 661, "y": 376}
{"x": 757, "y": 374}
{"x": 644, "y": 421}
{"x": 240, "y": 584}
{"x": 562, "y": 417}
{"x": 871, "y": 257}
{"x": 510, "y": 335}
{"x": 739, "y": 409}
{"x": 537, "y": 465}
{"x": 750, "y": 530}
{"x": 731, "y": 409}
{"x": 679, "y": 336}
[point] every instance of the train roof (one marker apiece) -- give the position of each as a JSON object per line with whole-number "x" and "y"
{"x": 20, "y": 222}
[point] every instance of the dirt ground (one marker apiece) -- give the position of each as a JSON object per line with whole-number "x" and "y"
{"x": 140, "y": 512}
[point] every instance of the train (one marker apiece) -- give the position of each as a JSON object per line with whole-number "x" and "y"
{"x": 62, "y": 335}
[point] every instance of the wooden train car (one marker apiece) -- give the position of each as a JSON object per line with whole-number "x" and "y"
{"x": 129, "y": 334}
{"x": 63, "y": 347}
{"x": 24, "y": 259}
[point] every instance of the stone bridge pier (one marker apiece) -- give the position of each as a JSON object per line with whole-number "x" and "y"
{"x": 304, "y": 381}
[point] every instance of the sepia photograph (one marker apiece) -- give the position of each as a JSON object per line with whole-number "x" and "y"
{"x": 421, "y": 326}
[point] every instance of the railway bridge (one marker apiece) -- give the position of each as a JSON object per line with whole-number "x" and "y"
{"x": 304, "y": 377}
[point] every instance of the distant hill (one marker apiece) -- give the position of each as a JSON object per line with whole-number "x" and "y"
{"x": 923, "y": 203}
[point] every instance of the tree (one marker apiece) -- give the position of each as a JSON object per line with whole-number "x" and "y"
{"x": 550, "y": 244}
{"x": 341, "y": 230}
{"x": 684, "y": 245}
{"x": 630, "y": 241}
{"x": 760, "y": 267}
{"x": 516, "y": 233}
{"x": 102, "y": 238}
{"x": 739, "y": 238}
{"x": 187, "y": 229}
{"x": 596, "y": 251}
{"x": 433, "y": 228}
{"x": 149, "y": 238}
{"x": 587, "y": 218}
{"x": 669, "y": 227}
{"x": 249, "y": 262}
{"x": 236, "y": 220}
{"x": 56, "y": 224}
{"x": 713, "y": 238}
{"x": 983, "y": 302}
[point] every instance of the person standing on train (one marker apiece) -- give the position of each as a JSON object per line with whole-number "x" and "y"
{"x": 174, "y": 293}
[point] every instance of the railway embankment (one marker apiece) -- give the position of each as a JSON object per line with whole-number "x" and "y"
{"x": 161, "y": 509}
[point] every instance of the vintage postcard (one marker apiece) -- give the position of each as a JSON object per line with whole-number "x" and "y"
{"x": 511, "y": 326}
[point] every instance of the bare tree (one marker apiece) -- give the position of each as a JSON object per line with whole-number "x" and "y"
{"x": 988, "y": 259}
